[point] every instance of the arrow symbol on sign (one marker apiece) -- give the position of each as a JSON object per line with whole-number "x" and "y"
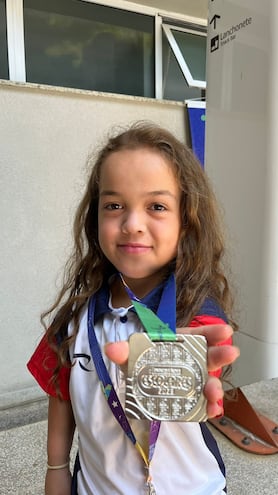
{"x": 214, "y": 19}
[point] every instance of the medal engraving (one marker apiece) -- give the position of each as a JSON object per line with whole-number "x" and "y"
{"x": 165, "y": 379}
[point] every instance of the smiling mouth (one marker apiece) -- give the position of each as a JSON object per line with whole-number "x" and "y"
{"x": 134, "y": 248}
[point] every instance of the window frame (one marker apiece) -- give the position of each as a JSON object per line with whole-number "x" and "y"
{"x": 16, "y": 42}
{"x": 192, "y": 83}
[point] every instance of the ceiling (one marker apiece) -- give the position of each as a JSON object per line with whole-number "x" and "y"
{"x": 193, "y": 8}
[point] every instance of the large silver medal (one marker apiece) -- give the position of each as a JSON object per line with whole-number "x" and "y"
{"x": 165, "y": 379}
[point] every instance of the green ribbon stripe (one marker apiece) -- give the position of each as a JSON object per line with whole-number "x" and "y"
{"x": 156, "y": 329}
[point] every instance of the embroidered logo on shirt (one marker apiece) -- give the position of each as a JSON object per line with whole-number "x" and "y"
{"x": 85, "y": 357}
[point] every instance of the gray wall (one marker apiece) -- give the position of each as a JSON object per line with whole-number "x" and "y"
{"x": 46, "y": 134}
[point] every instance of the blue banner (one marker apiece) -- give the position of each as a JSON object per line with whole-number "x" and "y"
{"x": 197, "y": 121}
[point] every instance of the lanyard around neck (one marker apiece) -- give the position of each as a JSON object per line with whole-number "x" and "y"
{"x": 157, "y": 330}
{"x": 163, "y": 325}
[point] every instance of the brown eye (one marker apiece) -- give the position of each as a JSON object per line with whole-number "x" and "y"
{"x": 158, "y": 207}
{"x": 113, "y": 206}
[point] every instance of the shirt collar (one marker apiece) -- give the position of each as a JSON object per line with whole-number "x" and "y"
{"x": 151, "y": 300}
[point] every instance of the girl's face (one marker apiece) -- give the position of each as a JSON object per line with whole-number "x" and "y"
{"x": 139, "y": 215}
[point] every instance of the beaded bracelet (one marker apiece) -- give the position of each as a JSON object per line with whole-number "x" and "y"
{"x": 61, "y": 466}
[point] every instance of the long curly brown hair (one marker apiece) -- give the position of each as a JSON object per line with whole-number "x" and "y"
{"x": 199, "y": 264}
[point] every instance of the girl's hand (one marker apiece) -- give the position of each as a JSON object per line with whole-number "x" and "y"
{"x": 218, "y": 356}
{"x": 58, "y": 482}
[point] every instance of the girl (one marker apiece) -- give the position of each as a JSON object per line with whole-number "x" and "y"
{"x": 147, "y": 213}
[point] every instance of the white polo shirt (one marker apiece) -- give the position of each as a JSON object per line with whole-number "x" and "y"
{"x": 186, "y": 460}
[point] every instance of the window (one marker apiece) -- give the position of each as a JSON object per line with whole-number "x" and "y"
{"x": 184, "y": 63}
{"x": 4, "y": 70}
{"x": 84, "y": 45}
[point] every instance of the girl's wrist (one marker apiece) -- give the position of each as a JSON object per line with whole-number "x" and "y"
{"x": 54, "y": 467}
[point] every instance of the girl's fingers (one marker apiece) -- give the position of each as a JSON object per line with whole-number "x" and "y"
{"x": 213, "y": 392}
{"x": 215, "y": 334}
{"x": 213, "y": 389}
{"x": 218, "y": 355}
{"x": 221, "y": 356}
{"x": 118, "y": 352}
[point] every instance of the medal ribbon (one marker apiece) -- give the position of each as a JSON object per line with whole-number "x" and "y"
{"x": 157, "y": 330}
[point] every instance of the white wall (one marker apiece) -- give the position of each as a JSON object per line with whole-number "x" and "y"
{"x": 46, "y": 134}
{"x": 242, "y": 159}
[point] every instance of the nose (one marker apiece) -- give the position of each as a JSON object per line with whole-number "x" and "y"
{"x": 133, "y": 222}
